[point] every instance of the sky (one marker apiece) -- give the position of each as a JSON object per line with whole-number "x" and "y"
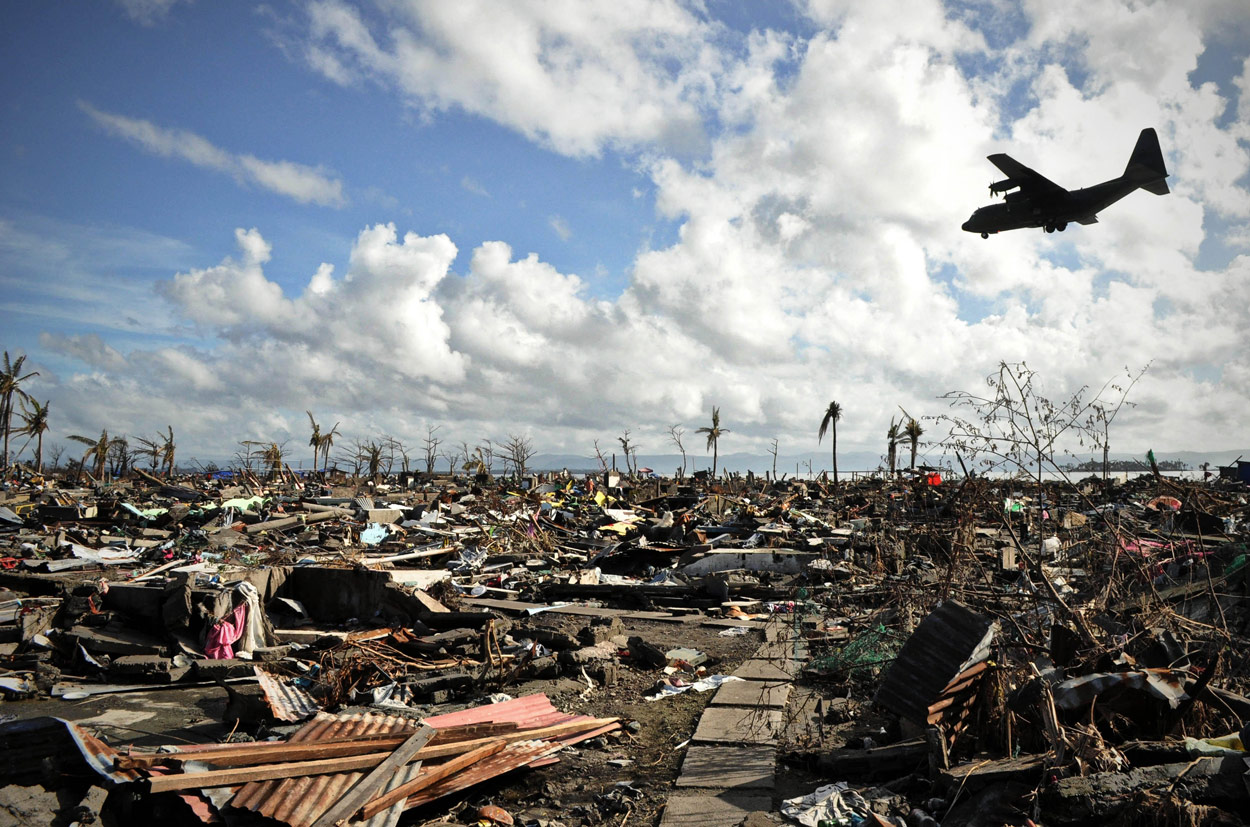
{"x": 564, "y": 220}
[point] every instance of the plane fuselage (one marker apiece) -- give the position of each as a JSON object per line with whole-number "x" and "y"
{"x": 1019, "y": 210}
{"x": 1039, "y": 202}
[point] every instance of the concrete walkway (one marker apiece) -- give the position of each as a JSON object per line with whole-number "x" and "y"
{"x": 730, "y": 766}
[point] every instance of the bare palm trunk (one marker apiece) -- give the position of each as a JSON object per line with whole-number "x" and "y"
{"x": 834, "y": 434}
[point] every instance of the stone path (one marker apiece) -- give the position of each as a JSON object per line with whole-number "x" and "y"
{"x": 730, "y": 766}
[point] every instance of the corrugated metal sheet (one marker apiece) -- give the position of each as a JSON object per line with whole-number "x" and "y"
{"x": 949, "y": 641}
{"x": 25, "y": 744}
{"x": 512, "y": 757}
{"x": 528, "y": 712}
{"x": 287, "y": 702}
{"x": 389, "y": 818}
{"x": 301, "y": 801}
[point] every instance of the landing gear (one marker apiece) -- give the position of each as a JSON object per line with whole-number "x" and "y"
{"x": 985, "y": 235}
{"x": 1063, "y": 225}
{"x": 1050, "y": 228}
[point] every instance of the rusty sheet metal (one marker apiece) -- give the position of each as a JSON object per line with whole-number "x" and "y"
{"x": 300, "y": 801}
{"x": 389, "y": 818}
{"x": 528, "y": 712}
{"x": 287, "y": 702}
{"x": 26, "y": 743}
{"x": 512, "y": 757}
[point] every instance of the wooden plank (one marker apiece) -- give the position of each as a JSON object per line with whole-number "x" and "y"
{"x": 368, "y": 786}
{"x": 351, "y": 763}
{"x": 237, "y": 755}
{"x": 455, "y": 765}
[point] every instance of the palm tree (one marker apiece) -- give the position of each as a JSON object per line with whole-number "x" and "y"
{"x": 913, "y": 432}
{"x": 149, "y": 448}
{"x": 97, "y": 450}
{"x": 168, "y": 448}
{"x": 34, "y": 424}
{"x": 11, "y": 380}
{"x": 893, "y": 436}
{"x": 327, "y": 442}
{"x": 273, "y": 458}
{"x": 830, "y": 423}
{"x": 713, "y": 437}
{"x": 315, "y": 439}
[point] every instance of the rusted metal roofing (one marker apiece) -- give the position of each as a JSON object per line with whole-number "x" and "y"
{"x": 301, "y": 801}
{"x": 25, "y": 744}
{"x": 948, "y": 642}
{"x": 512, "y": 757}
{"x": 287, "y": 702}
{"x": 528, "y": 712}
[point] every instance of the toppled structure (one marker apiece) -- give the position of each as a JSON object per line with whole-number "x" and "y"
{"x": 963, "y": 651}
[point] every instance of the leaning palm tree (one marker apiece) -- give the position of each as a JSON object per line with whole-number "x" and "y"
{"x": 34, "y": 425}
{"x": 913, "y": 432}
{"x": 893, "y": 437}
{"x": 97, "y": 450}
{"x": 11, "y": 380}
{"x": 830, "y": 423}
{"x": 713, "y": 437}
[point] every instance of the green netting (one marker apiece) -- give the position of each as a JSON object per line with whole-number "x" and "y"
{"x": 860, "y": 657}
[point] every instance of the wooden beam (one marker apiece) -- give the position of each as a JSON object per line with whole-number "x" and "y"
{"x": 351, "y": 763}
{"x": 425, "y": 779}
{"x": 368, "y": 786}
{"x": 236, "y": 755}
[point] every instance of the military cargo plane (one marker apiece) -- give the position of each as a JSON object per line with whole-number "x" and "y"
{"x": 1039, "y": 202}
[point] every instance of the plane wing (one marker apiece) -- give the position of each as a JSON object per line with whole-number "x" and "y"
{"x": 1026, "y": 179}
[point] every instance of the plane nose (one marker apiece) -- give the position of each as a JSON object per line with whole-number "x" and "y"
{"x": 967, "y": 226}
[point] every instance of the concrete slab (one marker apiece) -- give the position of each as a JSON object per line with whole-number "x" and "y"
{"x": 738, "y": 725}
{"x": 712, "y": 810}
{"x": 772, "y": 695}
{"x": 728, "y": 767}
{"x": 765, "y": 670}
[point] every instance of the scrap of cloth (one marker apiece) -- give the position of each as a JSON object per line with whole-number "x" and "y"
{"x": 241, "y": 626}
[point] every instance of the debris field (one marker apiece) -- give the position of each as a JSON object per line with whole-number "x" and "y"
{"x": 611, "y": 649}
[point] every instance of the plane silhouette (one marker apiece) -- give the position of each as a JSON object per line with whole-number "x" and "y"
{"x": 1039, "y": 202}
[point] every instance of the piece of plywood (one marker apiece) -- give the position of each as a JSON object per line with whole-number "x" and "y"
{"x": 738, "y": 725}
{"x": 725, "y": 767}
{"x": 765, "y": 670}
{"x": 712, "y": 810}
{"x": 770, "y": 694}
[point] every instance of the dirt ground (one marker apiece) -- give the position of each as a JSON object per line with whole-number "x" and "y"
{"x": 596, "y": 782}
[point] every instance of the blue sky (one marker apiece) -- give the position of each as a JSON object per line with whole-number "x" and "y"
{"x": 568, "y": 220}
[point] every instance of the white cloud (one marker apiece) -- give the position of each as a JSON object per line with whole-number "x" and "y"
{"x": 148, "y": 12}
{"x": 561, "y": 227}
{"x": 305, "y": 184}
{"x": 818, "y": 253}
{"x": 576, "y": 76}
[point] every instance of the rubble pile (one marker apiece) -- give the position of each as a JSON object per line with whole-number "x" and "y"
{"x": 961, "y": 651}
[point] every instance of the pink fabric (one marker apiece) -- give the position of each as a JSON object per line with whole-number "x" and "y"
{"x": 219, "y": 645}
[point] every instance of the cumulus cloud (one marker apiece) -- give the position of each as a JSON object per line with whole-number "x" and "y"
{"x": 576, "y": 76}
{"x": 817, "y": 255}
{"x": 305, "y": 184}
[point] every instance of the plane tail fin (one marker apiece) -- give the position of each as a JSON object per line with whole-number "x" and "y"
{"x": 1146, "y": 164}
